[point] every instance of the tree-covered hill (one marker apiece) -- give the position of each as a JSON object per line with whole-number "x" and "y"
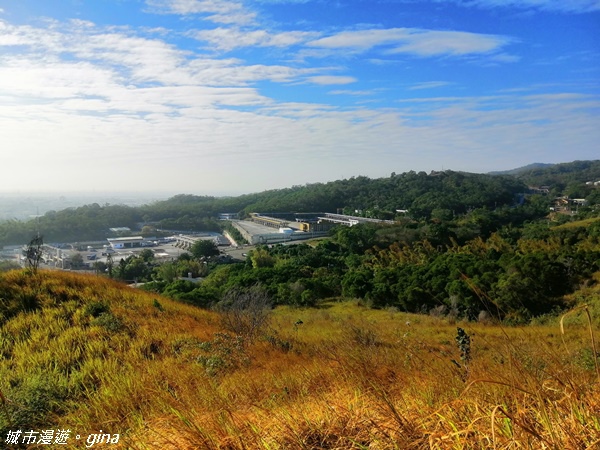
{"x": 424, "y": 196}
{"x": 565, "y": 179}
{"x": 420, "y": 193}
{"x": 520, "y": 170}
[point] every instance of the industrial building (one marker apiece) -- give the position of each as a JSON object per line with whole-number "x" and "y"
{"x": 186, "y": 241}
{"x": 343, "y": 219}
{"x": 125, "y": 242}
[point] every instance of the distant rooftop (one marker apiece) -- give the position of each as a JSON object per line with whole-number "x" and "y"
{"x": 125, "y": 239}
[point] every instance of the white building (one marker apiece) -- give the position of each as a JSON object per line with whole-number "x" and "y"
{"x": 126, "y": 242}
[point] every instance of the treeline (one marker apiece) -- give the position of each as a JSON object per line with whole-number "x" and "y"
{"x": 421, "y": 196}
{"x": 420, "y": 193}
{"x": 87, "y": 222}
{"x": 92, "y": 222}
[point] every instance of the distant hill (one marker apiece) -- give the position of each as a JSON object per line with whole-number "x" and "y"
{"x": 562, "y": 179}
{"x": 418, "y": 192}
{"x": 521, "y": 170}
{"x": 559, "y": 176}
{"x": 421, "y": 193}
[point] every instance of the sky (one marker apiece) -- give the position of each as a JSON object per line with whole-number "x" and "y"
{"x": 225, "y": 97}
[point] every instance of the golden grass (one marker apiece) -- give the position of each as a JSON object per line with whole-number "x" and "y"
{"x": 347, "y": 377}
{"x": 577, "y": 223}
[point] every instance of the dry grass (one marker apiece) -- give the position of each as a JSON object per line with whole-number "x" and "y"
{"x": 347, "y": 377}
{"x": 577, "y": 223}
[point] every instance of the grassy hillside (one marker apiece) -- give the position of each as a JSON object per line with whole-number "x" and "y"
{"x": 585, "y": 223}
{"x": 87, "y": 354}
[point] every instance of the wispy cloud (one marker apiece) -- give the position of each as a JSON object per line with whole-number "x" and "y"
{"x": 123, "y": 57}
{"x": 219, "y": 11}
{"x": 322, "y": 141}
{"x": 429, "y": 85}
{"x": 230, "y": 38}
{"x": 424, "y": 43}
{"x": 357, "y": 93}
{"x": 331, "y": 79}
{"x": 564, "y": 6}
{"x": 146, "y": 98}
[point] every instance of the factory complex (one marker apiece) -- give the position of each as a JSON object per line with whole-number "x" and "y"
{"x": 257, "y": 229}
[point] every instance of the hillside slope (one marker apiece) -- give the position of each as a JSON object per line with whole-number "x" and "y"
{"x": 98, "y": 359}
{"x": 78, "y": 350}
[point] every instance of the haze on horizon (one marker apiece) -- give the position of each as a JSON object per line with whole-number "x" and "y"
{"x": 225, "y": 97}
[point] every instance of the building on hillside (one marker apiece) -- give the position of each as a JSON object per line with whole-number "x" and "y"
{"x": 119, "y": 230}
{"x": 579, "y": 201}
{"x": 342, "y": 219}
{"x": 540, "y": 190}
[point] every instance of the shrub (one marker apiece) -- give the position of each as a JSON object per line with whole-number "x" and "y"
{"x": 110, "y": 322}
{"x": 96, "y": 308}
{"x": 245, "y": 312}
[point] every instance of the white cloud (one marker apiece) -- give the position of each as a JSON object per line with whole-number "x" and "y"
{"x": 282, "y": 2}
{"x": 331, "y": 79}
{"x": 239, "y": 18}
{"x": 415, "y": 41}
{"x": 195, "y": 6}
{"x": 220, "y": 11}
{"x": 121, "y": 57}
{"x": 429, "y": 85}
{"x": 352, "y": 92}
{"x": 200, "y": 146}
{"x": 433, "y": 43}
{"x": 108, "y": 108}
{"x": 231, "y": 38}
{"x": 504, "y": 58}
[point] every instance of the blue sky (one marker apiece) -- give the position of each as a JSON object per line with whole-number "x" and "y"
{"x": 236, "y": 96}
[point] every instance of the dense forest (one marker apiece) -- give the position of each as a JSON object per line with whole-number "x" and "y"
{"x": 466, "y": 245}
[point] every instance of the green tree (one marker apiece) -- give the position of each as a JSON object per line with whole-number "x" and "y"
{"x": 148, "y": 230}
{"x": 204, "y": 248}
{"x": 77, "y": 260}
{"x": 166, "y": 272}
{"x": 261, "y": 257}
{"x": 147, "y": 255}
{"x": 136, "y": 269}
{"x": 33, "y": 253}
